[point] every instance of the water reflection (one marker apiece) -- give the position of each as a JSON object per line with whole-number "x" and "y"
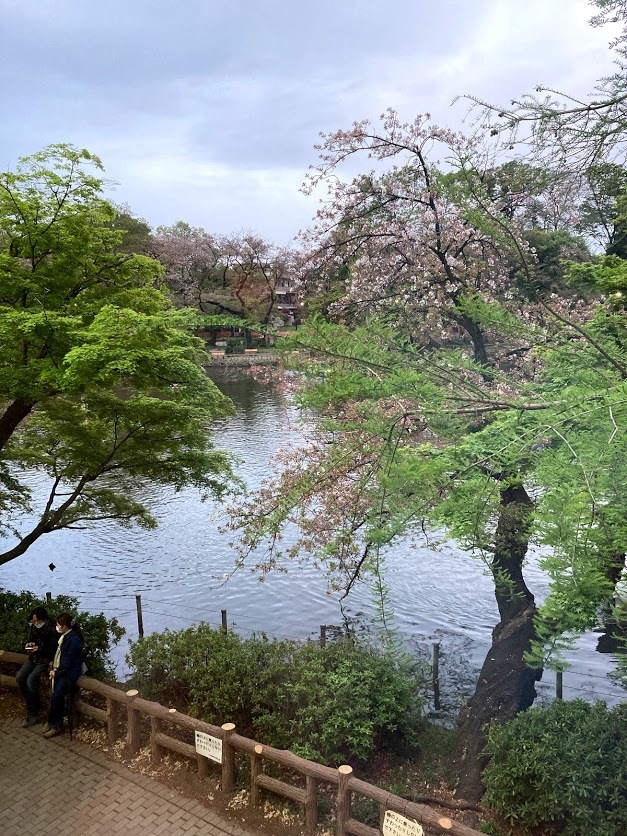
{"x": 439, "y": 594}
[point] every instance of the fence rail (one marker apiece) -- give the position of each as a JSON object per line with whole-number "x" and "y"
{"x": 135, "y": 707}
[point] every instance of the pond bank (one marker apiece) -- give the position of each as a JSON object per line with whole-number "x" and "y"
{"x": 259, "y": 358}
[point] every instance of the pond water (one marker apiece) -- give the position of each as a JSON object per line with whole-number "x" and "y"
{"x": 437, "y": 595}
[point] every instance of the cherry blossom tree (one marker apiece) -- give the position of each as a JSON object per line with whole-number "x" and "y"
{"x": 256, "y": 270}
{"x": 189, "y": 255}
{"x": 430, "y": 386}
{"x": 237, "y": 275}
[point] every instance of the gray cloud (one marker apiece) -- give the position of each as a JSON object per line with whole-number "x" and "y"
{"x": 209, "y": 110}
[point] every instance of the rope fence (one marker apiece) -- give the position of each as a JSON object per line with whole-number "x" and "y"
{"x": 436, "y": 665}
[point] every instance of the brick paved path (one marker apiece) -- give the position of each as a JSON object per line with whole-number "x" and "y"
{"x": 69, "y": 789}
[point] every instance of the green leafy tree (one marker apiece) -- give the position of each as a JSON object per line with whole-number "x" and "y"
{"x": 101, "y": 382}
{"x": 415, "y": 440}
{"x": 603, "y": 211}
{"x": 136, "y": 233}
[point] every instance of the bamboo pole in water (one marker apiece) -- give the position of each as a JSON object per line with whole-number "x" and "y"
{"x": 140, "y": 617}
{"x": 436, "y": 676}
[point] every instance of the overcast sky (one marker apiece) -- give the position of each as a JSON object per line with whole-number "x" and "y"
{"x": 208, "y": 110}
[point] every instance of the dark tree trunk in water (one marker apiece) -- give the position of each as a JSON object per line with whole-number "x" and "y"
{"x": 613, "y": 639}
{"x": 506, "y": 685}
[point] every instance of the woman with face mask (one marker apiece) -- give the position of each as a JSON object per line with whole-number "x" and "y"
{"x": 66, "y": 669}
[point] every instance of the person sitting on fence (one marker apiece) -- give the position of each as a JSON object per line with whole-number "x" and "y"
{"x": 66, "y": 669}
{"x": 41, "y": 647}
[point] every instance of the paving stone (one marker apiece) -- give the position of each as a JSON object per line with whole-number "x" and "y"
{"x": 69, "y": 789}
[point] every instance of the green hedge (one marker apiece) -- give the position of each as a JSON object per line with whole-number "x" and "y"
{"x": 561, "y": 768}
{"x": 330, "y": 704}
{"x": 101, "y": 633}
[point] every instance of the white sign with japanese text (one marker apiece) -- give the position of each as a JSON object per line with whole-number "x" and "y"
{"x": 397, "y": 825}
{"x": 210, "y": 747}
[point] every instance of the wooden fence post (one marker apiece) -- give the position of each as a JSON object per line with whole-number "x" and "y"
{"x": 382, "y": 808}
{"x": 202, "y": 762}
{"x": 323, "y": 635}
{"x": 255, "y": 769}
{"x": 224, "y": 624}
{"x": 228, "y": 759}
{"x": 140, "y": 617}
{"x": 311, "y": 805}
{"x": 155, "y": 749}
{"x": 113, "y": 715}
{"x": 436, "y": 675}
{"x": 133, "y": 740}
{"x": 343, "y": 802}
{"x": 203, "y": 767}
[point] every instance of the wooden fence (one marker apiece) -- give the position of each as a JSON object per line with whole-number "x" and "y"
{"x": 130, "y": 706}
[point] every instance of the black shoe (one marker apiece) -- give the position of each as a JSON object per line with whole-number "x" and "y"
{"x": 28, "y": 722}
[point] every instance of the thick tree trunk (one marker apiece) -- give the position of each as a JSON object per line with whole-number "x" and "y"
{"x": 614, "y": 566}
{"x": 476, "y": 335}
{"x": 506, "y": 684}
{"x": 12, "y": 417}
{"x": 613, "y": 639}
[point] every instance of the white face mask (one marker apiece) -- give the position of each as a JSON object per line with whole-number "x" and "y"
{"x": 38, "y": 626}
{"x": 59, "y": 629}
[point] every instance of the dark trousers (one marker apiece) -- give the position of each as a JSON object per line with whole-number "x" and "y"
{"x": 62, "y": 687}
{"x": 28, "y": 681}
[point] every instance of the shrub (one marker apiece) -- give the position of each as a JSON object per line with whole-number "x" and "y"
{"x": 338, "y": 702}
{"x": 330, "y": 704}
{"x": 199, "y": 668}
{"x": 235, "y": 345}
{"x": 100, "y": 632}
{"x": 562, "y": 767}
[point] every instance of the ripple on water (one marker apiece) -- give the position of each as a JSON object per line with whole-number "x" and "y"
{"x": 441, "y": 593}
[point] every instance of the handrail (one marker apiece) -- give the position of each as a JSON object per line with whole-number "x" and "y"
{"x": 313, "y": 772}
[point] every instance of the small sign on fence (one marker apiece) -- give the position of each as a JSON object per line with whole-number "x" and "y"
{"x": 210, "y": 747}
{"x": 397, "y": 825}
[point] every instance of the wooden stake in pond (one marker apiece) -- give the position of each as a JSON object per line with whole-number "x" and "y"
{"x": 224, "y": 624}
{"x": 140, "y": 618}
{"x": 559, "y": 685}
{"x": 436, "y": 675}
{"x": 48, "y": 598}
{"x": 323, "y": 635}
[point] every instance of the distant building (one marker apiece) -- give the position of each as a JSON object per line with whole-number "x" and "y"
{"x": 287, "y": 305}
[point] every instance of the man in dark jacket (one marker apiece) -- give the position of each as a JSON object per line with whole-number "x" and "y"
{"x": 41, "y": 646}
